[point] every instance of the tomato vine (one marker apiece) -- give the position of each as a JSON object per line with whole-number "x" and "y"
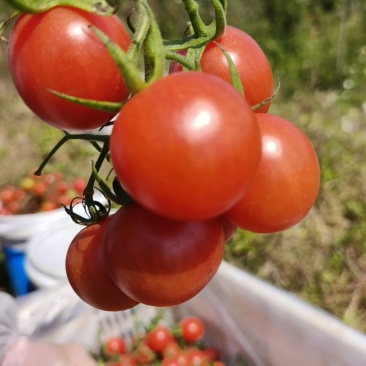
{"x": 191, "y": 158}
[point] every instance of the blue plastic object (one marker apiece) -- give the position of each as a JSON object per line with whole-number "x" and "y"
{"x": 14, "y": 260}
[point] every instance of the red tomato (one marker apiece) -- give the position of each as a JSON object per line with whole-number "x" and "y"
{"x": 192, "y": 144}
{"x": 158, "y": 261}
{"x": 87, "y": 271}
{"x": 158, "y": 338}
{"x": 7, "y": 194}
{"x": 39, "y": 188}
{"x": 212, "y": 353}
{"x": 196, "y": 357}
{"x": 79, "y": 185}
{"x": 175, "y": 361}
{"x": 56, "y": 50}
{"x": 62, "y": 187}
{"x": 172, "y": 349}
{"x": 192, "y": 328}
{"x": 287, "y": 183}
{"x": 142, "y": 355}
{"x": 251, "y": 63}
{"x": 48, "y": 206}
{"x": 115, "y": 346}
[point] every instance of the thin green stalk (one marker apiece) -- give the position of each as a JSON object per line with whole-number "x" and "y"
{"x": 200, "y": 28}
{"x": 100, "y": 7}
{"x": 67, "y": 137}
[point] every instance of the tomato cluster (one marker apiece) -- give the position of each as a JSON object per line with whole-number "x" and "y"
{"x": 178, "y": 345}
{"x": 195, "y": 150}
{"x": 39, "y": 194}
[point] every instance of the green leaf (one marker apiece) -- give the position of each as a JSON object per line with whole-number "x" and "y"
{"x": 101, "y": 7}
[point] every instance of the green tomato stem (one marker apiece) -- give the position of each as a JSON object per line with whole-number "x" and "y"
{"x": 100, "y": 7}
{"x": 154, "y": 50}
{"x": 200, "y": 28}
{"x": 128, "y": 69}
{"x": 68, "y": 136}
{"x": 140, "y": 34}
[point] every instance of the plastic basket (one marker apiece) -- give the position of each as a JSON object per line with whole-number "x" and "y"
{"x": 243, "y": 316}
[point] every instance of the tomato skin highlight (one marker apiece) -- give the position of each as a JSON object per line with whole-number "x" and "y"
{"x": 158, "y": 338}
{"x": 252, "y": 65}
{"x": 115, "y": 346}
{"x": 287, "y": 183}
{"x": 87, "y": 272}
{"x": 192, "y": 328}
{"x": 57, "y": 50}
{"x": 186, "y": 147}
{"x": 158, "y": 261}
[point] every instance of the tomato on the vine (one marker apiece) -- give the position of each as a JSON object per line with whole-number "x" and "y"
{"x": 87, "y": 272}
{"x": 158, "y": 261}
{"x": 191, "y": 328}
{"x": 115, "y": 346}
{"x": 252, "y": 65}
{"x": 186, "y": 147}
{"x": 57, "y": 50}
{"x": 158, "y": 338}
{"x": 287, "y": 183}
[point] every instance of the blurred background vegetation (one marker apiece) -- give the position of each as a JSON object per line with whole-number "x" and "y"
{"x": 318, "y": 50}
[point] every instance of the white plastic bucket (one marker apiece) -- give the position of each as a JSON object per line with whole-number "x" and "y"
{"x": 243, "y": 316}
{"x": 17, "y": 231}
{"x": 46, "y": 253}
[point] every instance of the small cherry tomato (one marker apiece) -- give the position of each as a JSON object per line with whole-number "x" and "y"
{"x": 192, "y": 328}
{"x": 57, "y": 50}
{"x": 115, "y": 346}
{"x": 87, "y": 271}
{"x": 287, "y": 183}
{"x": 158, "y": 338}
{"x": 201, "y": 148}
{"x": 158, "y": 261}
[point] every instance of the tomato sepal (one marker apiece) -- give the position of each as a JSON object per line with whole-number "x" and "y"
{"x": 103, "y": 106}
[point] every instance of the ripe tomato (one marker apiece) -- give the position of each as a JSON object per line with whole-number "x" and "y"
{"x": 87, "y": 273}
{"x": 287, "y": 183}
{"x": 142, "y": 355}
{"x": 158, "y": 261}
{"x": 212, "y": 353}
{"x": 79, "y": 185}
{"x": 191, "y": 328}
{"x": 196, "y": 357}
{"x": 115, "y": 346}
{"x": 251, "y": 63}
{"x": 56, "y": 50}
{"x": 185, "y": 146}
{"x": 172, "y": 349}
{"x": 158, "y": 338}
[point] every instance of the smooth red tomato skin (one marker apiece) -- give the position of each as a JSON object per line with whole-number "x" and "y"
{"x": 87, "y": 273}
{"x": 287, "y": 183}
{"x": 115, "y": 346}
{"x": 192, "y": 328}
{"x": 253, "y": 67}
{"x": 158, "y": 338}
{"x": 56, "y": 50}
{"x": 187, "y": 147}
{"x": 158, "y": 261}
